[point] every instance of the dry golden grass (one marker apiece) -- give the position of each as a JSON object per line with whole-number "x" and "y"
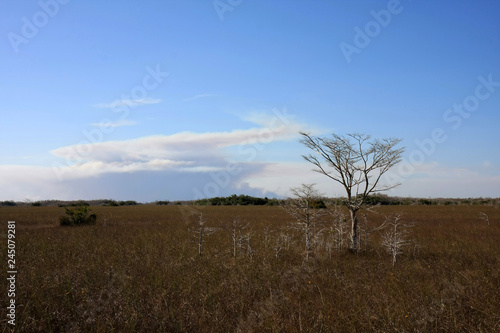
{"x": 138, "y": 269}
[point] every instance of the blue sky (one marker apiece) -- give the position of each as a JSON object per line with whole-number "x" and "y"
{"x": 165, "y": 100}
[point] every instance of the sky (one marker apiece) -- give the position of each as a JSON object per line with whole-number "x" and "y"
{"x": 181, "y": 100}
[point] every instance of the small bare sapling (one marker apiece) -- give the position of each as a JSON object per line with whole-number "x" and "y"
{"x": 484, "y": 217}
{"x": 307, "y": 217}
{"x": 201, "y": 231}
{"x": 396, "y": 237}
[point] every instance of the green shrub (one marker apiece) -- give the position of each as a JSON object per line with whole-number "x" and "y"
{"x": 75, "y": 204}
{"x": 317, "y": 204}
{"x": 427, "y": 202}
{"x": 78, "y": 216}
{"x": 127, "y": 203}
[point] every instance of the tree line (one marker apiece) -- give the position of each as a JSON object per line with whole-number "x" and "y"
{"x": 246, "y": 200}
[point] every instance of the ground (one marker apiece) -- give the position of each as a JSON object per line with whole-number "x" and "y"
{"x": 139, "y": 269}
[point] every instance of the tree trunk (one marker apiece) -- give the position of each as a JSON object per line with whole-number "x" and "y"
{"x": 354, "y": 230}
{"x": 308, "y": 231}
{"x": 200, "y": 240}
{"x": 234, "y": 242}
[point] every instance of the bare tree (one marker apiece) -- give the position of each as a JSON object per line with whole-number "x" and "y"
{"x": 484, "y": 217}
{"x": 396, "y": 238}
{"x": 355, "y": 162}
{"x": 201, "y": 231}
{"x": 339, "y": 228}
{"x": 236, "y": 230}
{"x": 246, "y": 238}
{"x": 281, "y": 242}
{"x": 307, "y": 217}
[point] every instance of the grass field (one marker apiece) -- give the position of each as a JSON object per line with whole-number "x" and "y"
{"x": 138, "y": 269}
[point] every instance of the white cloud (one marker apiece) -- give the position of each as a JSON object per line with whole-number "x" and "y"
{"x": 429, "y": 180}
{"x": 187, "y": 163}
{"x": 32, "y": 182}
{"x": 280, "y": 177}
{"x": 172, "y": 179}
{"x": 265, "y": 119}
{"x": 127, "y": 102}
{"x": 201, "y": 150}
{"x": 437, "y": 180}
{"x": 150, "y": 181}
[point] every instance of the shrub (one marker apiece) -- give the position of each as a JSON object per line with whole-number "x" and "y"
{"x": 427, "y": 202}
{"x": 76, "y": 204}
{"x": 380, "y": 199}
{"x": 317, "y": 204}
{"x": 78, "y": 216}
{"x": 233, "y": 200}
{"x": 127, "y": 203}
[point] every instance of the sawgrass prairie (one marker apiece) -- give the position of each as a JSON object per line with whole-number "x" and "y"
{"x": 139, "y": 269}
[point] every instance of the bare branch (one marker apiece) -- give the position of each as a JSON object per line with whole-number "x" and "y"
{"x": 356, "y": 162}
{"x": 303, "y": 209}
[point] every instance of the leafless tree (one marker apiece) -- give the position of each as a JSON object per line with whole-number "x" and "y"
{"x": 201, "y": 231}
{"x": 396, "y": 238}
{"x": 484, "y": 217}
{"x": 307, "y": 217}
{"x": 236, "y": 230}
{"x": 246, "y": 239}
{"x": 282, "y": 242}
{"x": 339, "y": 227}
{"x": 355, "y": 162}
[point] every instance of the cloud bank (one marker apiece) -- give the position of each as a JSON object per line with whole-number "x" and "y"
{"x": 183, "y": 165}
{"x": 191, "y": 165}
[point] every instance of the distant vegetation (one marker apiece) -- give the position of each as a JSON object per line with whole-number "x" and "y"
{"x": 385, "y": 200}
{"x": 71, "y": 203}
{"x": 246, "y": 200}
{"x": 237, "y": 200}
{"x": 77, "y": 204}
